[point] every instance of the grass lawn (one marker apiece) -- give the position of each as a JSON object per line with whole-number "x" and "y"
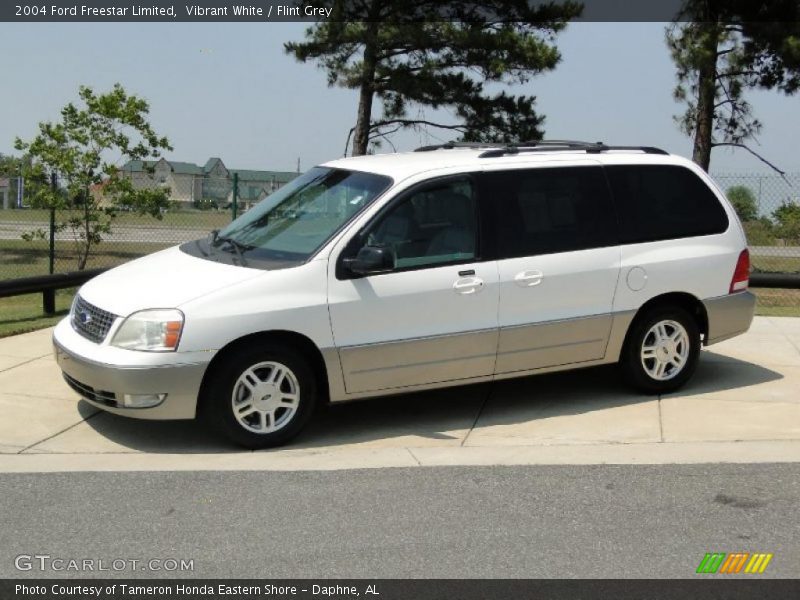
{"x": 775, "y": 264}
{"x": 21, "y": 314}
{"x": 202, "y": 219}
{"x": 28, "y": 259}
{"x": 776, "y": 302}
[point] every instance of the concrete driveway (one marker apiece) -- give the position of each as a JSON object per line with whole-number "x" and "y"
{"x": 743, "y": 405}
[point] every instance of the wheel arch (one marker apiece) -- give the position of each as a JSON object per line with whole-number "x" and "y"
{"x": 689, "y": 302}
{"x": 292, "y": 339}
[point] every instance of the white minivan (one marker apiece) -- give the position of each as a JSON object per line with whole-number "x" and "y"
{"x": 384, "y": 274}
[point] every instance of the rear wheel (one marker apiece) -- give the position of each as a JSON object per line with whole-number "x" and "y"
{"x": 662, "y": 350}
{"x": 260, "y": 396}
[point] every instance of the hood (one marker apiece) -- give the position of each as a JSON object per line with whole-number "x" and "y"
{"x": 165, "y": 279}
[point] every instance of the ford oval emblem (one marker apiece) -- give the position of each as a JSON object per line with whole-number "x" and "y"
{"x": 84, "y": 317}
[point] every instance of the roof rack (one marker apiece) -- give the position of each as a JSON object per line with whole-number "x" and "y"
{"x": 452, "y": 145}
{"x": 496, "y": 150}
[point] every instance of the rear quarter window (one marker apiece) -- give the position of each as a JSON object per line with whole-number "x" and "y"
{"x": 662, "y": 202}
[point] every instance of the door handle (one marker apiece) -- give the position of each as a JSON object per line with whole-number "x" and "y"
{"x": 468, "y": 285}
{"x": 528, "y": 278}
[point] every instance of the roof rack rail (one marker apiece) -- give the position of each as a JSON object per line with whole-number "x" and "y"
{"x": 549, "y": 145}
{"x": 452, "y": 145}
{"x": 504, "y": 149}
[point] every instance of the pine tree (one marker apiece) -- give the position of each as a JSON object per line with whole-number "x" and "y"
{"x": 413, "y": 53}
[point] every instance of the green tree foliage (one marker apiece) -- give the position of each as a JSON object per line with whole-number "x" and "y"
{"x": 787, "y": 216}
{"x": 723, "y": 49}
{"x": 13, "y": 167}
{"x": 85, "y": 150}
{"x": 405, "y": 54}
{"x": 744, "y": 202}
{"x": 760, "y": 232}
{"x": 9, "y": 165}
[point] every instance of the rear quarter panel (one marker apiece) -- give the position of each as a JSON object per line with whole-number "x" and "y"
{"x": 701, "y": 266}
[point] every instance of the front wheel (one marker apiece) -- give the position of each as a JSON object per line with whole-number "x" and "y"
{"x": 661, "y": 351}
{"x": 260, "y": 396}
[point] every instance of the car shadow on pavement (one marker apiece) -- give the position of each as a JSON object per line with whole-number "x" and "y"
{"x": 441, "y": 417}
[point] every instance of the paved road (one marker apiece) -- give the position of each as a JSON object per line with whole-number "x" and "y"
{"x": 578, "y": 521}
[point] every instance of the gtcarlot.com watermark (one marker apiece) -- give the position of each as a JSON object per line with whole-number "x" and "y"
{"x": 46, "y": 562}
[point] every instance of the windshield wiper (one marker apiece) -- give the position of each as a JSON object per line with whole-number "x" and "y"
{"x": 239, "y": 247}
{"x": 212, "y": 237}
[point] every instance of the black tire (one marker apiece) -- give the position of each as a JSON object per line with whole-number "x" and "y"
{"x": 217, "y": 398}
{"x": 639, "y": 371}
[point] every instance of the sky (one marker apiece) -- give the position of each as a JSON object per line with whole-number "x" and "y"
{"x": 229, "y": 90}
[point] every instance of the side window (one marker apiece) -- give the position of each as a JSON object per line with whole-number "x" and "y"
{"x": 662, "y": 202}
{"x": 434, "y": 226}
{"x": 543, "y": 211}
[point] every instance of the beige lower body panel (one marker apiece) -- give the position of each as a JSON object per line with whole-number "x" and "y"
{"x": 729, "y": 316}
{"x": 401, "y": 367}
{"x": 541, "y": 345}
{"x": 420, "y": 361}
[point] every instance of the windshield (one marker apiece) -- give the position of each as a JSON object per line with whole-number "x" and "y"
{"x": 292, "y": 223}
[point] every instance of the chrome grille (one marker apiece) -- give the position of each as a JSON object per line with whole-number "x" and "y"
{"x": 91, "y": 322}
{"x": 88, "y": 392}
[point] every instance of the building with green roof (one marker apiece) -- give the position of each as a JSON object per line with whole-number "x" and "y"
{"x": 210, "y": 184}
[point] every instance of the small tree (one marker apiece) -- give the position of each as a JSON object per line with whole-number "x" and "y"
{"x": 787, "y": 215}
{"x": 744, "y": 202}
{"x": 760, "y": 232}
{"x": 85, "y": 151}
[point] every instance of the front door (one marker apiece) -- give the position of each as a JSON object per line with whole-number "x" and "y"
{"x": 433, "y": 317}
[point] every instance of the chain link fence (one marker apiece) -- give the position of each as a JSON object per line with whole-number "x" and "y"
{"x": 768, "y": 204}
{"x": 197, "y": 206}
{"x": 769, "y": 208}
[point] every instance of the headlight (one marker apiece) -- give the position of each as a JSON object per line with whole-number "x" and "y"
{"x": 150, "y": 330}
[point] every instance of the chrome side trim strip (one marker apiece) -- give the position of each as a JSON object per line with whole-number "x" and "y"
{"x": 421, "y": 364}
{"x": 564, "y": 345}
{"x": 419, "y": 339}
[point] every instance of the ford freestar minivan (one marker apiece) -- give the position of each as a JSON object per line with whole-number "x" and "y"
{"x": 383, "y": 274}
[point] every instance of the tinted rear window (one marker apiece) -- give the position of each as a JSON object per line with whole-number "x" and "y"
{"x": 542, "y": 211}
{"x": 663, "y": 202}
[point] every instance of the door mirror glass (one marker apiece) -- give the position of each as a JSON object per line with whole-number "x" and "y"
{"x": 371, "y": 260}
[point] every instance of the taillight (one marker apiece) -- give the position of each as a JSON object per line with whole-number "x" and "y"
{"x": 741, "y": 275}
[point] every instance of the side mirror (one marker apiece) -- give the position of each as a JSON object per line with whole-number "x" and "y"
{"x": 371, "y": 260}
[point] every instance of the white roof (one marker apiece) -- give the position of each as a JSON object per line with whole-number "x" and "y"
{"x": 406, "y": 164}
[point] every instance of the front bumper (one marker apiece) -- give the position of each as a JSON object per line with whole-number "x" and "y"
{"x": 103, "y": 375}
{"x": 729, "y": 316}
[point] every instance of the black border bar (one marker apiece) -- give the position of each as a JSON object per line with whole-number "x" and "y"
{"x": 702, "y": 587}
{"x": 171, "y": 11}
